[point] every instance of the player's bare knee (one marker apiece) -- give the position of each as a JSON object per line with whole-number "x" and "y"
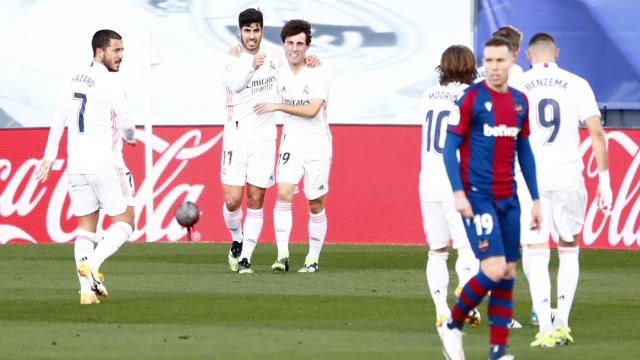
{"x": 232, "y": 203}
{"x": 316, "y": 206}
{"x": 441, "y": 250}
{"x": 255, "y": 200}
{"x": 494, "y": 268}
{"x": 574, "y": 243}
{"x": 285, "y": 195}
{"x": 127, "y": 217}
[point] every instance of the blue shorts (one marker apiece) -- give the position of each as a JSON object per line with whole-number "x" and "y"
{"x": 495, "y": 227}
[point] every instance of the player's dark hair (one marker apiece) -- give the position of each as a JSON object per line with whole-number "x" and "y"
{"x": 541, "y": 38}
{"x": 457, "y": 64}
{"x": 510, "y": 33}
{"x": 102, "y": 38}
{"x": 250, "y": 16}
{"x": 496, "y": 41}
{"x": 295, "y": 27}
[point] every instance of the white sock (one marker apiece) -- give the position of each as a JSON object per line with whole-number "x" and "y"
{"x": 540, "y": 286}
{"x": 317, "y": 233}
{"x": 467, "y": 265}
{"x": 233, "y": 220}
{"x": 282, "y": 222}
{"x": 252, "y": 230}
{"x": 525, "y": 262}
{"x": 117, "y": 234}
{"x": 83, "y": 249}
{"x": 568, "y": 274}
{"x": 438, "y": 280}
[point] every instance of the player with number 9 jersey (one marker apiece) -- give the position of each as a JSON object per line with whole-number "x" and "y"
{"x": 560, "y": 101}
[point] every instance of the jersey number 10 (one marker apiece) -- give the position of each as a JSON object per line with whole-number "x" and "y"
{"x": 434, "y": 136}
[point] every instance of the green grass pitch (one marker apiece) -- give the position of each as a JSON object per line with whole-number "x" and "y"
{"x": 179, "y": 301}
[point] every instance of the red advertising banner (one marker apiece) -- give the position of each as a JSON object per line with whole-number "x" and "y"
{"x": 373, "y": 197}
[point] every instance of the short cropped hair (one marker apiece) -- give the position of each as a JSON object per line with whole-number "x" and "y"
{"x": 250, "y": 16}
{"x": 457, "y": 64}
{"x": 510, "y": 33}
{"x": 540, "y": 38}
{"x": 499, "y": 41}
{"x": 295, "y": 27}
{"x": 102, "y": 38}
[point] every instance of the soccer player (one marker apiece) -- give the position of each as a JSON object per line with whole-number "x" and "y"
{"x": 440, "y": 219}
{"x": 94, "y": 109}
{"x": 491, "y": 126}
{"x": 248, "y": 149}
{"x": 515, "y": 72}
{"x": 560, "y": 102}
{"x": 249, "y": 141}
{"x": 305, "y": 147}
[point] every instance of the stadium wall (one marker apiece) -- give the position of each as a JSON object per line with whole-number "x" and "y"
{"x": 373, "y": 197}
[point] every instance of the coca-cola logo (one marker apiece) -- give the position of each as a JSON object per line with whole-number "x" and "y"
{"x": 623, "y": 217}
{"x": 22, "y": 194}
{"x": 187, "y": 168}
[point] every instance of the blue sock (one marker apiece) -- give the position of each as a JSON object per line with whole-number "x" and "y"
{"x": 496, "y": 351}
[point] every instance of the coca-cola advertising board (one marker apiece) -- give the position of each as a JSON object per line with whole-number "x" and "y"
{"x": 373, "y": 196}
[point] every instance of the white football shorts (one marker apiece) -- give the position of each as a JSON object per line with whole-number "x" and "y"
{"x": 112, "y": 190}
{"x": 248, "y": 162}
{"x": 442, "y": 222}
{"x": 296, "y": 161}
{"x": 562, "y": 216}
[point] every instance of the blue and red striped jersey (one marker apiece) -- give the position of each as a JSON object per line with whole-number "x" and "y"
{"x": 490, "y": 124}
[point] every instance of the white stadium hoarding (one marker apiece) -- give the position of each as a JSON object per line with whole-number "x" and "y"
{"x": 382, "y": 54}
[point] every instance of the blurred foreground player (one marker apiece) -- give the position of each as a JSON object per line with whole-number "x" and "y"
{"x": 490, "y": 128}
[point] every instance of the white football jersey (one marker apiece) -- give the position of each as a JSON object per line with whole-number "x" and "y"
{"x": 88, "y": 107}
{"x": 515, "y": 76}
{"x": 245, "y": 87}
{"x": 437, "y": 103}
{"x": 308, "y": 84}
{"x": 559, "y": 102}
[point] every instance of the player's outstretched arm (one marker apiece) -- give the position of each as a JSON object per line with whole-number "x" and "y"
{"x": 451, "y": 145}
{"x": 43, "y": 170}
{"x": 309, "y": 110}
{"x": 599, "y": 144}
{"x": 127, "y": 127}
{"x": 53, "y": 142}
{"x": 528, "y": 165}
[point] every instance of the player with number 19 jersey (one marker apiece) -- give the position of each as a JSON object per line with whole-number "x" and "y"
{"x": 306, "y": 142}
{"x": 560, "y": 101}
{"x": 499, "y": 120}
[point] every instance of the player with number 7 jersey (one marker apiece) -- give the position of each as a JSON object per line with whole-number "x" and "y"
{"x": 93, "y": 106}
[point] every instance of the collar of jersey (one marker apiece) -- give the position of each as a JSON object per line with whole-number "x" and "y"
{"x": 545, "y": 65}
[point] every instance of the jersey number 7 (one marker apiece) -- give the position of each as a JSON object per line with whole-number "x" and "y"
{"x": 83, "y": 97}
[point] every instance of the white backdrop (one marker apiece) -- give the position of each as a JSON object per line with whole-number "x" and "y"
{"x": 382, "y": 54}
